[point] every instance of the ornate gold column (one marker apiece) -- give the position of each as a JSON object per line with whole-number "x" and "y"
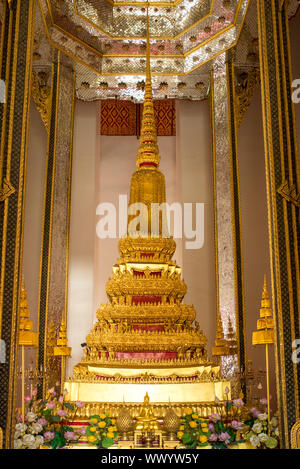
{"x": 283, "y": 184}
{"x": 228, "y": 248}
{"x": 55, "y": 235}
{"x": 16, "y": 63}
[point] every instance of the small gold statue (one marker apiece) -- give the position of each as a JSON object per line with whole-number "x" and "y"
{"x": 146, "y": 422}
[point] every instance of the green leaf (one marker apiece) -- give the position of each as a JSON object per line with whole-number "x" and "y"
{"x": 107, "y": 442}
{"x": 69, "y": 406}
{"x": 271, "y": 443}
{"x": 58, "y": 441}
{"x": 187, "y": 438}
{"x": 55, "y": 418}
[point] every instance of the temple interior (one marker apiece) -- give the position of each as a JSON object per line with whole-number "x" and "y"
{"x": 107, "y": 109}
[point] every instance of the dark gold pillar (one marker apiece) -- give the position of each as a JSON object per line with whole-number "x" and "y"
{"x": 55, "y": 234}
{"x": 16, "y": 63}
{"x": 283, "y": 184}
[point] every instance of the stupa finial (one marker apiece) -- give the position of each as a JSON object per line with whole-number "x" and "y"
{"x": 148, "y": 154}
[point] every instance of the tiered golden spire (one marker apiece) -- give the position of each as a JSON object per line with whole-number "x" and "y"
{"x": 62, "y": 348}
{"x": 26, "y": 336}
{"x": 265, "y": 325}
{"x": 148, "y": 154}
{"x": 231, "y": 339}
{"x": 221, "y": 345}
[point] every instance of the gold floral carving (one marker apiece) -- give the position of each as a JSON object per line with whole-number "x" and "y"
{"x": 289, "y": 193}
{"x": 6, "y": 190}
{"x": 41, "y": 94}
{"x": 244, "y": 93}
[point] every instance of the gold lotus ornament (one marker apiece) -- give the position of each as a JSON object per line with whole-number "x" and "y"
{"x": 125, "y": 424}
{"x": 171, "y": 424}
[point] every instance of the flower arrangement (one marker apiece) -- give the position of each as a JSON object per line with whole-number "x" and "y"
{"x": 102, "y": 430}
{"x": 193, "y": 430}
{"x": 261, "y": 434}
{"x": 45, "y": 422}
{"x": 217, "y": 431}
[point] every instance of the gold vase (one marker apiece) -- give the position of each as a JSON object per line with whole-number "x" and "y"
{"x": 171, "y": 424}
{"x": 124, "y": 424}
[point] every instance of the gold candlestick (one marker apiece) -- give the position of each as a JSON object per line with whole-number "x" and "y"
{"x": 265, "y": 336}
{"x": 62, "y": 350}
{"x": 27, "y": 338}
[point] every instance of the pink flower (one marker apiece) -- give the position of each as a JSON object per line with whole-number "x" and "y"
{"x": 264, "y": 401}
{"x": 217, "y": 399}
{"x": 50, "y": 405}
{"x": 61, "y": 399}
{"x": 226, "y": 390}
{"x": 65, "y": 391}
{"x": 238, "y": 402}
{"x": 51, "y": 390}
{"x": 211, "y": 427}
{"x": 225, "y": 437}
{"x": 62, "y": 413}
{"x": 215, "y": 417}
{"x": 42, "y": 422}
{"x": 27, "y": 398}
{"x": 69, "y": 436}
{"x": 79, "y": 404}
{"x": 236, "y": 425}
{"x": 255, "y": 412}
{"x": 34, "y": 392}
{"x": 213, "y": 437}
{"x": 81, "y": 431}
{"x": 49, "y": 436}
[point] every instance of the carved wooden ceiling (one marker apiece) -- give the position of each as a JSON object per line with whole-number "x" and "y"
{"x": 104, "y": 41}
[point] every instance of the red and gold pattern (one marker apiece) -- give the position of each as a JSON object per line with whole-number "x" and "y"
{"x": 125, "y": 117}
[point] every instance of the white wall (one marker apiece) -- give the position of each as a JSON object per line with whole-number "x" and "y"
{"x": 195, "y": 176}
{"x": 82, "y": 229}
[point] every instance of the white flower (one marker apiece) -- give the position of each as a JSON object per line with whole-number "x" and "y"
{"x": 18, "y": 444}
{"x": 21, "y": 427}
{"x": 36, "y": 428}
{"x": 262, "y": 417}
{"x": 257, "y": 427}
{"x": 17, "y": 435}
{"x": 28, "y": 440}
{"x": 39, "y": 439}
{"x": 274, "y": 422}
{"x": 31, "y": 417}
{"x": 276, "y": 431}
{"x": 254, "y": 440}
{"x": 263, "y": 437}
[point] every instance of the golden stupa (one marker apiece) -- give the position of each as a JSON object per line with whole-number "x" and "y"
{"x": 146, "y": 340}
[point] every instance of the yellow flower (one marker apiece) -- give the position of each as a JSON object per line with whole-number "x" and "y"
{"x": 110, "y": 429}
{"x": 188, "y": 411}
{"x": 115, "y": 429}
{"x": 180, "y": 435}
{"x": 181, "y": 427}
{"x": 110, "y": 435}
{"x": 102, "y": 424}
{"x": 102, "y": 416}
{"x": 92, "y": 429}
{"x": 203, "y": 438}
{"x": 94, "y": 421}
{"x": 109, "y": 414}
{"x": 193, "y": 424}
{"x": 113, "y": 421}
{"x": 195, "y": 416}
{"x": 92, "y": 438}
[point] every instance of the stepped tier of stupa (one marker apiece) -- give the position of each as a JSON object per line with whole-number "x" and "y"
{"x": 146, "y": 339}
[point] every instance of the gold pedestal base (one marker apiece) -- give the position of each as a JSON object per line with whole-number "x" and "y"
{"x": 159, "y": 393}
